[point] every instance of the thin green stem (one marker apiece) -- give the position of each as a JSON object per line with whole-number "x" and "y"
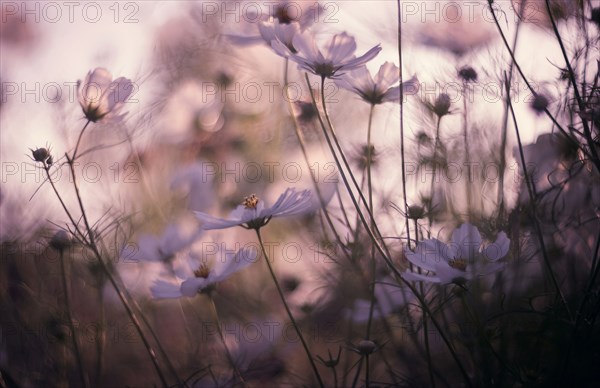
{"x": 433, "y": 175}
{"x": 467, "y": 153}
{"x": 63, "y": 270}
{"x": 236, "y": 371}
{"x": 101, "y": 335}
{"x": 347, "y": 166}
{"x": 79, "y": 140}
{"x": 402, "y": 152}
{"x": 370, "y": 196}
{"x": 513, "y": 49}
{"x": 93, "y": 246}
{"x": 367, "y": 384}
{"x": 288, "y": 311}
{"x": 375, "y": 239}
{"x": 425, "y": 324}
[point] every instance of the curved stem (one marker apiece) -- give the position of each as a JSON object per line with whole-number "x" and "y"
{"x": 79, "y": 140}
{"x": 347, "y": 166}
{"x": 93, "y": 246}
{"x": 288, "y": 311}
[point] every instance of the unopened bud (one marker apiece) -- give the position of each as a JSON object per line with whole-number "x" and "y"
{"x": 442, "y": 105}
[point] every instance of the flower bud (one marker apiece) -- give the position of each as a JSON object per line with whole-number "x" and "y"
{"x": 442, "y": 105}
{"x": 596, "y": 16}
{"x": 40, "y": 154}
{"x": 366, "y": 347}
{"x": 468, "y": 74}
{"x": 61, "y": 241}
{"x": 415, "y": 212}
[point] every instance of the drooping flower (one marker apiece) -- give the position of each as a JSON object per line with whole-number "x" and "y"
{"x": 378, "y": 89}
{"x": 198, "y": 276}
{"x": 336, "y": 58}
{"x": 100, "y": 97}
{"x": 463, "y": 259}
{"x": 252, "y": 213}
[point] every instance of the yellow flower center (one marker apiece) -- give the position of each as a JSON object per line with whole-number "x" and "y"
{"x": 251, "y": 201}
{"x": 459, "y": 264}
{"x": 202, "y": 271}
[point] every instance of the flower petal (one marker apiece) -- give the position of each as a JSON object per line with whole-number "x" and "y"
{"x": 233, "y": 263}
{"x": 498, "y": 249}
{"x": 191, "y": 287}
{"x": 466, "y": 241}
{"x": 165, "y": 290}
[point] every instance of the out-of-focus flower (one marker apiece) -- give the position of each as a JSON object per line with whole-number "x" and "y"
{"x": 61, "y": 241}
{"x": 101, "y": 98}
{"x": 163, "y": 248}
{"x": 252, "y": 213}
{"x": 274, "y": 30}
{"x": 441, "y": 106}
{"x": 378, "y": 89}
{"x": 197, "y": 184}
{"x": 467, "y": 74}
{"x": 198, "y": 276}
{"x": 282, "y": 22}
{"x": 336, "y": 58}
{"x": 461, "y": 260}
{"x": 389, "y": 298}
{"x": 415, "y": 212}
{"x": 459, "y": 38}
{"x": 365, "y": 347}
{"x": 539, "y": 103}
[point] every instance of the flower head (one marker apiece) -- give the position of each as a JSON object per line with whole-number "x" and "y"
{"x": 252, "y": 213}
{"x": 336, "y": 58}
{"x": 377, "y": 89}
{"x": 198, "y": 276}
{"x": 100, "y": 97}
{"x": 461, "y": 260}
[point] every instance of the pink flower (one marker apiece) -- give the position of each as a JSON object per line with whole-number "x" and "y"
{"x": 378, "y": 89}
{"x": 336, "y": 58}
{"x": 100, "y": 97}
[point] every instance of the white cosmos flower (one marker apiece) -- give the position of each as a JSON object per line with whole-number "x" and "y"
{"x": 336, "y": 58}
{"x": 252, "y": 213}
{"x": 274, "y": 30}
{"x": 282, "y": 22}
{"x": 463, "y": 259}
{"x": 196, "y": 275}
{"x": 389, "y": 297}
{"x": 162, "y": 248}
{"x": 100, "y": 97}
{"x": 378, "y": 89}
